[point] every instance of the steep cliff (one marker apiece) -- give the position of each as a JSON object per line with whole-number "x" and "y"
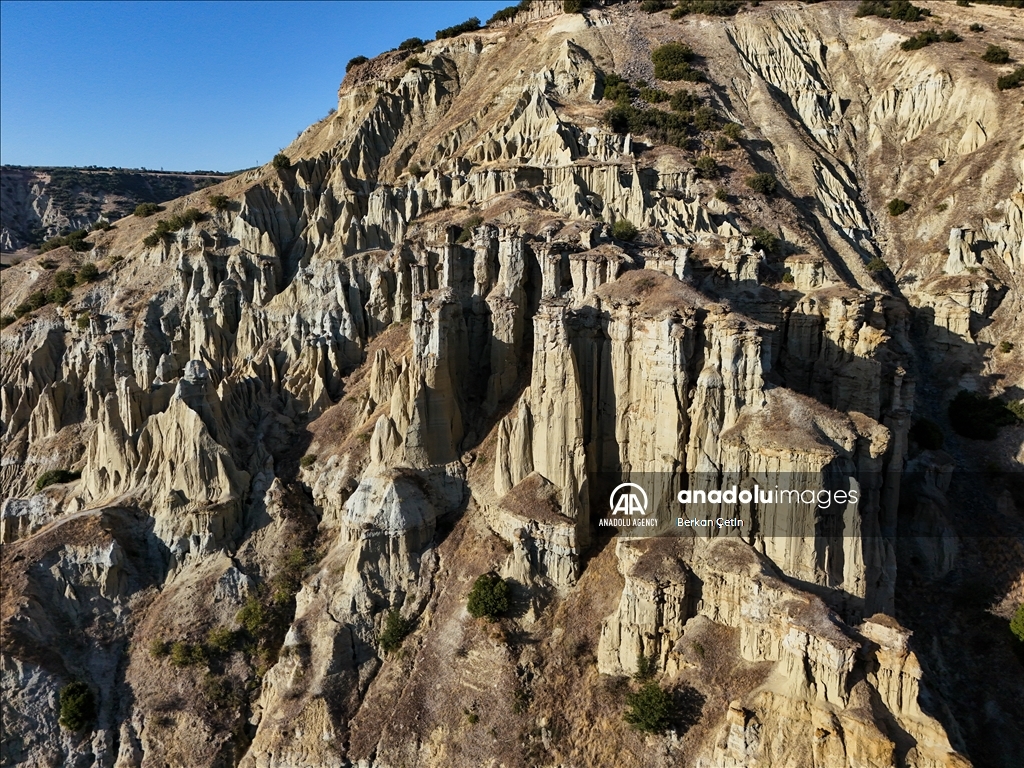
{"x": 255, "y": 466}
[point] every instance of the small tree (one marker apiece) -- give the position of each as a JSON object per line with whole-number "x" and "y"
{"x": 672, "y": 62}
{"x": 1017, "y": 623}
{"x": 159, "y": 649}
{"x": 412, "y": 44}
{"x": 59, "y": 296}
{"x": 572, "y": 6}
{"x": 355, "y": 61}
{"x": 764, "y": 239}
{"x": 87, "y": 273}
{"x": 877, "y": 266}
{"x": 732, "y": 131}
{"x": 77, "y": 706}
{"x": 142, "y": 210}
{"x": 765, "y": 183}
{"x": 996, "y": 54}
{"x": 897, "y": 207}
{"x": 64, "y": 278}
{"x": 489, "y": 597}
{"x": 623, "y": 229}
{"x": 281, "y": 162}
{"x": 395, "y": 630}
{"x": 649, "y": 708}
{"x": 707, "y": 167}
{"x": 219, "y": 202}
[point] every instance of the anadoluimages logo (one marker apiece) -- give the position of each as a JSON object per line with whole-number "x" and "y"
{"x": 626, "y": 502}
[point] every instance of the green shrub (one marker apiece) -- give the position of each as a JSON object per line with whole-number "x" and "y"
{"x": 707, "y": 167}
{"x": 220, "y": 640}
{"x": 1017, "y": 623}
{"x": 649, "y": 709}
{"x": 101, "y": 225}
{"x": 897, "y": 207}
{"x": 732, "y": 131}
{"x": 37, "y": 300}
{"x": 787, "y": 277}
{"x": 765, "y": 183}
{"x": 722, "y": 144}
{"x": 876, "y": 265}
{"x": 489, "y": 597}
{"x": 151, "y": 239}
{"x": 978, "y": 417}
{"x": 73, "y": 240}
{"x": 949, "y": 36}
{"x": 1006, "y": 347}
{"x": 572, "y": 6}
{"x": 281, "y": 162}
{"x": 707, "y": 7}
{"x": 467, "y": 228}
{"x": 412, "y": 44}
{"x": 976, "y": 27}
{"x": 77, "y": 706}
{"x": 623, "y": 229}
{"x": 615, "y": 89}
{"x": 395, "y": 630}
{"x": 995, "y": 54}
{"x": 64, "y": 278}
{"x": 685, "y": 101}
{"x": 672, "y": 62}
{"x": 142, "y": 210}
{"x": 219, "y": 202}
{"x": 21, "y": 310}
{"x": 56, "y": 477}
{"x": 159, "y": 649}
{"x": 186, "y": 655}
{"x": 87, "y": 273}
{"x": 900, "y": 10}
{"x": 253, "y": 616}
{"x": 927, "y": 434}
{"x": 507, "y": 14}
{"x": 469, "y": 25}
{"x": 652, "y": 6}
{"x": 355, "y": 61}
{"x": 59, "y": 296}
{"x": 721, "y": 194}
{"x": 764, "y": 239}
{"x": 705, "y": 119}
{"x": 664, "y": 127}
{"x": 6, "y": 320}
{"x": 412, "y": 63}
{"x": 920, "y": 40}
{"x": 83, "y": 321}
{"x": 1014, "y": 80}
{"x": 307, "y": 461}
{"x": 654, "y": 95}
{"x": 644, "y": 669}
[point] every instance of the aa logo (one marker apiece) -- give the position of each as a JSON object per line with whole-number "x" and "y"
{"x": 624, "y": 501}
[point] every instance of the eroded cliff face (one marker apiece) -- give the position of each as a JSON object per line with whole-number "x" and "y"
{"x": 429, "y": 310}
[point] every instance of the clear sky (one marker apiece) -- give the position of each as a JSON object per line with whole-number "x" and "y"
{"x": 187, "y": 85}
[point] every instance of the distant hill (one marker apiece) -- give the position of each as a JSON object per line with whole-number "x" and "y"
{"x": 37, "y": 203}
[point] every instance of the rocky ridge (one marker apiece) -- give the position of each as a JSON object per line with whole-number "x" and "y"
{"x": 429, "y": 309}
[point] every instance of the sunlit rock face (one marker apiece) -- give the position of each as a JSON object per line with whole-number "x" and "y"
{"x": 283, "y": 441}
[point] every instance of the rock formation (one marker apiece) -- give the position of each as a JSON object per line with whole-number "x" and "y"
{"x": 260, "y": 453}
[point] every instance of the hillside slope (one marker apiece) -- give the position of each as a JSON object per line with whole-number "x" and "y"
{"x": 40, "y": 203}
{"x": 418, "y": 352}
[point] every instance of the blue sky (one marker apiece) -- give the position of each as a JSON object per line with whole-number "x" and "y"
{"x": 186, "y": 85}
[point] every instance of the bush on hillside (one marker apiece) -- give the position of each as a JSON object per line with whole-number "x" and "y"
{"x": 142, "y": 210}
{"x": 765, "y": 239}
{"x": 77, "y": 706}
{"x": 615, "y": 89}
{"x": 1014, "y": 80}
{"x": 395, "y": 630}
{"x": 87, "y": 273}
{"x": 707, "y": 167}
{"x": 764, "y": 183}
{"x": 59, "y": 296}
{"x": 900, "y": 10}
{"x": 507, "y": 14}
{"x": 672, "y": 62}
{"x": 897, "y": 207}
{"x": 572, "y": 6}
{"x": 219, "y": 202}
{"x": 355, "y": 61}
{"x": 489, "y": 597}
{"x": 650, "y": 708}
{"x": 996, "y": 54}
{"x": 6, "y": 320}
{"x": 654, "y": 95}
{"x": 624, "y": 229}
{"x": 412, "y": 44}
{"x": 56, "y": 477}
{"x": 877, "y": 266}
{"x": 281, "y": 161}
{"x": 73, "y": 240}
{"x": 469, "y": 25}
{"x": 1017, "y": 623}
{"x": 707, "y": 7}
